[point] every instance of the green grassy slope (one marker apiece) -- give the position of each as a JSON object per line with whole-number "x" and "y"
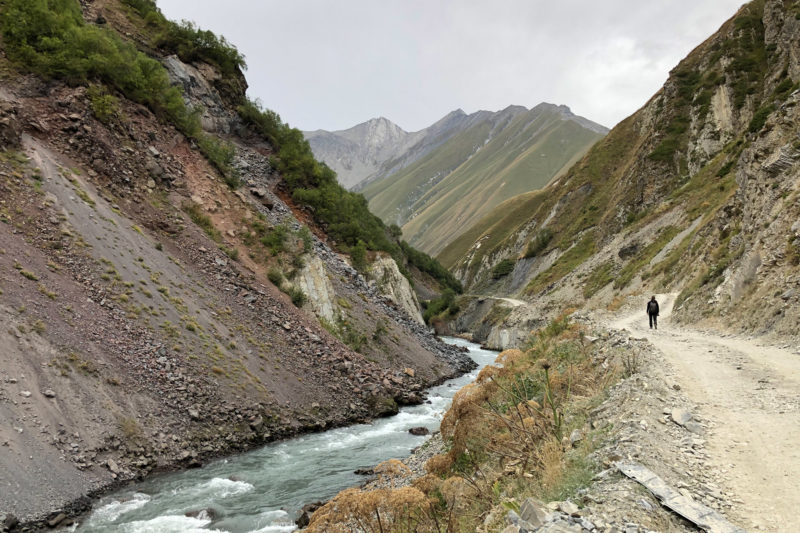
{"x": 509, "y": 165}
{"x": 453, "y": 186}
{"x": 388, "y": 197}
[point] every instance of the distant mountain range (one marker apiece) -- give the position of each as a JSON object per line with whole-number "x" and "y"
{"x": 378, "y": 147}
{"x": 440, "y": 180}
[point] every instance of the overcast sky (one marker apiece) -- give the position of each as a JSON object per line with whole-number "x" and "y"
{"x": 333, "y": 64}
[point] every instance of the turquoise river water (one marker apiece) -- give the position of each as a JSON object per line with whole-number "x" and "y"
{"x": 261, "y": 491}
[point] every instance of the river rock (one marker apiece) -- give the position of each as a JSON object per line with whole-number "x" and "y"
{"x": 419, "y": 431}
{"x": 681, "y": 416}
{"x": 10, "y": 522}
{"x": 53, "y": 522}
{"x": 113, "y": 466}
{"x": 307, "y": 511}
{"x": 257, "y": 424}
{"x": 207, "y": 514}
{"x": 533, "y": 512}
{"x": 568, "y": 507}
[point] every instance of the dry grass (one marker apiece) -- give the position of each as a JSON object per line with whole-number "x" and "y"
{"x": 505, "y": 436}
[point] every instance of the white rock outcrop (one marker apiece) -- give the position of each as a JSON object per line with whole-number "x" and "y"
{"x": 383, "y": 272}
{"x": 313, "y": 281}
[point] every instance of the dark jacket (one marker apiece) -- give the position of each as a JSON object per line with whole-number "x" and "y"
{"x": 652, "y": 307}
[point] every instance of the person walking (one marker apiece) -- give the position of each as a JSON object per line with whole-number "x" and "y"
{"x": 652, "y": 312}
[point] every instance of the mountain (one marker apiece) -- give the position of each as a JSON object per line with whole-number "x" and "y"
{"x": 435, "y": 181}
{"x": 179, "y": 278}
{"x": 695, "y": 193}
{"x": 492, "y": 157}
{"x": 358, "y": 153}
{"x": 377, "y": 148}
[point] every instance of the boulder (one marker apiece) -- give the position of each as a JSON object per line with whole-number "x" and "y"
{"x": 57, "y": 519}
{"x": 568, "y": 507}
{"x": 10, "y": 522}
{"x": 419, "y": 431}
{"x": 305, "y": 514}
{"x": 533, "y": 512}
{"x": 257, "y": 424}
{"x": 10, "y": 132}
{"x": 113, "y": 466}
{"x": 203, "y": 514}
{"x": 681, "y": 416}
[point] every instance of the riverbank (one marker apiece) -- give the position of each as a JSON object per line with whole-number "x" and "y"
{"x": 265, "y": 488}
{"x": 636, "y": 415}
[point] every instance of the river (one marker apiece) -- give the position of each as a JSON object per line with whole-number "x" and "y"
{"x": 261, "y": 491}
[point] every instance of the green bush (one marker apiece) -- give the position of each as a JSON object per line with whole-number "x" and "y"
{"x": 104, "y": 106}
{"x": 358, "y": 255}
{"x": 503, "y": 268}
{"x": 298, "y": 297}
{"x": 430, "y": 266}
{"x": 187, "y": 41}
{"x": 444, "y": 305}
{"x": 198, "y": 217}
{"x": 220, "y": 154}
{"x": 760, "y": 118}
{"x": 308, "y": 241}
{"x": 275, "y": 239}
{"x": 539, "y": 243}
{"x": 726, "y": 168}
{"x": 51, "y": 39}
{"x": 275, "y": 276}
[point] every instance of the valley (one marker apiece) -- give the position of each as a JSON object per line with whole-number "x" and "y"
{"x": 212, "y": 319}
{"x": 438, "y": 181}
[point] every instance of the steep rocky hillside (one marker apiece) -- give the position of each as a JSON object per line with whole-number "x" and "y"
{"x": 493, "y": 157}
{"x": 167, "y": 294}
{"x": 697, "y": 193}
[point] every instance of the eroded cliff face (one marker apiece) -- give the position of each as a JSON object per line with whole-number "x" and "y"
{"x": 314, "y": 282}
{"x": 385, "y": 275}
{"x": 696, "y": 193}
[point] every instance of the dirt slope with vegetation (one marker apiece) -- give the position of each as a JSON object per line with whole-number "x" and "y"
{"x": 154, "y": 229}
{"x": 695, "y": 193}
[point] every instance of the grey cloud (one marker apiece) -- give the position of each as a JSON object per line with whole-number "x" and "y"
{"x": 324, "y": 64}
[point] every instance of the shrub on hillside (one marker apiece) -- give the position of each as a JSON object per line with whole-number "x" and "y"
{"x": 503, "y": 268}
{"x": 187, "y": 41}
{"x": 539, "y": 243}
{"x": 51, "y": 39}
{"x": 443, "y": 306}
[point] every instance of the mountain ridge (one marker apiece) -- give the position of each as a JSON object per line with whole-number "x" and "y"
{"x": 363, "y": 153}
{"x": 494, "y": 156}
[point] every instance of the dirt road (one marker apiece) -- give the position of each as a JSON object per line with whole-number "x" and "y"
{"x": 512, "y": 301}
{"x": 751, "y": 394}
